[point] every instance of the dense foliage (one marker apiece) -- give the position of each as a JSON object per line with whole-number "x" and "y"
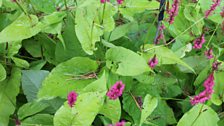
{"x": 111, "y": 62}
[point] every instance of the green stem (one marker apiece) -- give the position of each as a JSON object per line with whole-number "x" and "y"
{"x": 21, "y": 8}
{"x": 76, "y": 2}
{"x": 104, "y": 7}
{"x": 212, "y": 35}
{"x": 66, "y": 6}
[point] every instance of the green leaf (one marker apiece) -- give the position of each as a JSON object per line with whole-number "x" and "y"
{"x": 46, "y": 6}
{"x": 125, "y": 62}
{"x": 33, "y": 47}
{"x": 31, "y": 108}
{"x": 68, "y": 76}
{"x": 199, "y": 115}
{"x": 22, "y": 28}
{"x": 21, "y": 63}
{"x": 82, "y": 114}
{"x": 31, "y": 82}
{"x": 149, "y": 105}
{"x": 164, "y": 56}
{"x": 133, "y": 7}
{"x": 9, "y": 89}
{"x": 85, "y": 24}
{"x": 2, "y": 73}
{"x": 112, "y": 110}
{"x": 38, "y": 120}
{"x": 0, "y": 3}
{"x": 218, "y": 88}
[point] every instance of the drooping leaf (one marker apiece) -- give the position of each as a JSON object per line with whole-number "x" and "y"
{"x": 21, "y": 62}
{"x": 199, "y": 115}
{"x": 68, "y": 76}
{"x": 38, "y": 119}
{"x": 31, "y": 82}
{"x": 9, "y": 89}
{"x": 125, "y": 62}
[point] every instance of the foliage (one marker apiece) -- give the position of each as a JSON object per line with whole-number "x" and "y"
{"x": 49, "y": 48}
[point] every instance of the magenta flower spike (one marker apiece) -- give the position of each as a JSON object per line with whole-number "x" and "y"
{"x": 209, "y": 54}
{"x": 212, "y": 8}
{"x": 116, "y": 90}
{"x": 120, "y": 1}
{"x": 72, "y": 98}
{"x": 173, "y": 12}
{"x": 104, "y": 1}
{"x": 153, "y": 62}
{"x": 206, "y": 94}
{"x": 122, "y": 123}
{"x": 199, "y": 42}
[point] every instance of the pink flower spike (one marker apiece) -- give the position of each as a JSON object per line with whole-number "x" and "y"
{"x": 104, "y": 1}
{"x": 116, "y": 90}
{"x": 212, "y": 8}
{"x": 209, "y": 54}
{"x": 120, "y": 1}
{"x": 174, "y": 11}
{"x": 207, "y": 93}
{"x": 215, "y": 65}
{"x": 153, "y": 62}
{"x": 122, "y": 123}
{"x": 72, "y": 98}
{"x": 199, "y": 42}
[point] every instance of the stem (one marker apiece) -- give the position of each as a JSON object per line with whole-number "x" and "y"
{"x": 135, "y": 101}
{"x": 104, "y": 7}
{"x": 66, "y": 6}
{"x": 176, "y": 36}
{"x": 76, "y": 2}
{"x": 212, "y": 35}
{"x": 21, "y": 8}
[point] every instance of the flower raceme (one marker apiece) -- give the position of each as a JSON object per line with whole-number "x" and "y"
{"x": 120, "y": 1}
{"x": 212, "y": 8}
{"x": 116, "y": 90}
{"x": 173, "y": 12}
{"x": 209, "y": 54}
{"x": 72, "y": 98}
{"x": 153, "y": 62}
{"x": 199, "y": 42}
{"x": 122, "y": 123}
{"x": 206, "y": 94}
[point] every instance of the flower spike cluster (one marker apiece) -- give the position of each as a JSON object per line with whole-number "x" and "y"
{"x": 116, "y": 90}
{"x": 174, "y": 11}
{"x": 72, "y": 98}
{"x": 212, "y": 8}
{"x": 199, "y": 42}
{"x": 206, "y": 94}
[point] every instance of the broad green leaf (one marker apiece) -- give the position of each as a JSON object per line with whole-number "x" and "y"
{"x": 9, "y": 89}
{"x": 0, "y": 3}
{"x": 38, "y": 120}
{"x": 165, "y": 56}
{"x": 125, "y": 62}
{"x": 31, "y": 82}
{"x": 20, "y": 62}
{"x": 133, "y": 7}
{"x": 87, "y": 30}
{"x": 68, "y": 76}
{"x": 150, "y": 103}
{"x": 112, "y": 110}
{"x": 37, "y": 65}
{"x": 199, "y": 115}
{"x": 2, "y": 73}
{"x": 31, "y": 108}
{"x": 33, "y": 47}
{"x": 22, "y": 28}
{"x": 202, "y": 76}
{"x": 83, "y": 113}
